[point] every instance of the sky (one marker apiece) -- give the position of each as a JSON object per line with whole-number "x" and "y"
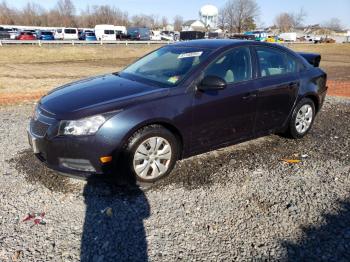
{"x": 318, "y": 11}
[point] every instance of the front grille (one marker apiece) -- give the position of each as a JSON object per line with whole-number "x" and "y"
{"x": 39, "y": 128}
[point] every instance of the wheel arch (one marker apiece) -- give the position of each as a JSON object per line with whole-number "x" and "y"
{"x": 314, "y": 99}
{"x": 166, "y": 124}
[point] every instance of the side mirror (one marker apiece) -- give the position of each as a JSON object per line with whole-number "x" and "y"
{"x": 212, "y": 83}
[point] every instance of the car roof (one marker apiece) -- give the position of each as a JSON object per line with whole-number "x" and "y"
{"x": 220, "y": 43}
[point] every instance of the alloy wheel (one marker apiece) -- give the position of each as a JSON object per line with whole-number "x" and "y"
{"x": 152, "y": 158}
{"x": 304, "y": 119}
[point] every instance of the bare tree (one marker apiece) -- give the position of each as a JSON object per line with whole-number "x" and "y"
{"x": 164, "y": 22}
{"x": 103, "y": 14}
{"x": 32, "y": 14}
{"x": 222, "y": 19}
{"x": 288, "y": 21}
{"x": 333, "y": 24}
{"x": 239, "y": 14}
{"x": 150, "y": 21}
{"x": 284, "y": 22}
{"x": 54, "y": 18}
{"x": 299, "y": 18}
{"x": 178, "y": 22}
{"x": 8, "y": 16}
{"x": 66, "y": 11}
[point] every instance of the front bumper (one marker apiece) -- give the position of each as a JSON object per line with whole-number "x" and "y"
{"x": 77, "y": 156}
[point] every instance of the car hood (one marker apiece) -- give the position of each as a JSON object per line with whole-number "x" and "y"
{"x": 97, "y": 95}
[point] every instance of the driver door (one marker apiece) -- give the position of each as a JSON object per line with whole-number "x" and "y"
{"x": 223, "y": 116}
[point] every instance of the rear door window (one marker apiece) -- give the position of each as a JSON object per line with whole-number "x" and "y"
{"x": 275, "y": 62}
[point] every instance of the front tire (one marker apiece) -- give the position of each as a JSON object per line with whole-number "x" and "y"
{"x": 302, "y": 118}
{"x": 151, "y": 153}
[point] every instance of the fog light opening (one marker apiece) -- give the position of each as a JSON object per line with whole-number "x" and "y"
{"x": 77, "y": 164}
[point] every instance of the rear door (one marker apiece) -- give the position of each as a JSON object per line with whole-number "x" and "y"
{"x": 279, "y": 80}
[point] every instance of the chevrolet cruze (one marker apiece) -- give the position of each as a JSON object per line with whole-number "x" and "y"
{"x": 178, "y": 101}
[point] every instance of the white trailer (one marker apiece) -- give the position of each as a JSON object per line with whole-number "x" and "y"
{"x": 288, "y": 37}
{"x": 105, "y": 32}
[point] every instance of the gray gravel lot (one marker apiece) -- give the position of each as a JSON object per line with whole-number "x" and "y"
{"x": 238, "y": 203}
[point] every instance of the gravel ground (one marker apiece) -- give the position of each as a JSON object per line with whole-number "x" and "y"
{"x": 238, "y": 203}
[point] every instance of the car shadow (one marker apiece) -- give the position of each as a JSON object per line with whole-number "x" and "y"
{"x": 113, "y": 228}
{"x": 328, "y": 242}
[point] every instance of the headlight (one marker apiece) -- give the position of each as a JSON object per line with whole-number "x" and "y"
{"x": 85, "y": 126}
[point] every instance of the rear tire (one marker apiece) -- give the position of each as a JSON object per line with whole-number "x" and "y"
{"x": 302, "y": 118}
{"x": 150, "y": 154}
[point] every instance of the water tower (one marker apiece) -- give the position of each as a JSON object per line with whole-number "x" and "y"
{"x": 208, "y": 14}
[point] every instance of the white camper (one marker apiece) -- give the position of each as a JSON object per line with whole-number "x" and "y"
{"x": 105, "y": 32}
{"x": 288, "y": 37}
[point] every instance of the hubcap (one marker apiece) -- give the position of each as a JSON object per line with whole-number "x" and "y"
{"x": 304, "y": 119}
{"x": 152, "y": 158}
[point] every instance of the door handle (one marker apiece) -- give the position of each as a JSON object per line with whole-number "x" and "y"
{"x": 249, "y": 96}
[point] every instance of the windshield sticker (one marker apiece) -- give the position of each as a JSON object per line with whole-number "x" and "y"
{"x": 173, "y": 79}
{"x": 192, "y": 54}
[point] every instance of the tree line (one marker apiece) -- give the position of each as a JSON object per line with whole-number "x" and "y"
{"x": 64, "y": 13}
{"x": 236, "y": 16}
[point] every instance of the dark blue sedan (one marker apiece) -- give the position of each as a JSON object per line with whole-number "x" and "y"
{"x": 88, "y": 36}
{"x": 46, "y": 35}
{"x": 178, "y": 101}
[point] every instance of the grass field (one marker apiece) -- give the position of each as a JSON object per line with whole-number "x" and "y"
{"x": 27, "y": 72}
{"x": 335, "y": 58}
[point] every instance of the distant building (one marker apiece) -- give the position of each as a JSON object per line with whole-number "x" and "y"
{"x": 193, "y": 25}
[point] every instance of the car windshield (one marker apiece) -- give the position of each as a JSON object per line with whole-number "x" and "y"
{"x": 90, "y": 34}
{"x": 167, "y": 65}
{"x": 46, "y": 33}
{"x": 109, "y": 32}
